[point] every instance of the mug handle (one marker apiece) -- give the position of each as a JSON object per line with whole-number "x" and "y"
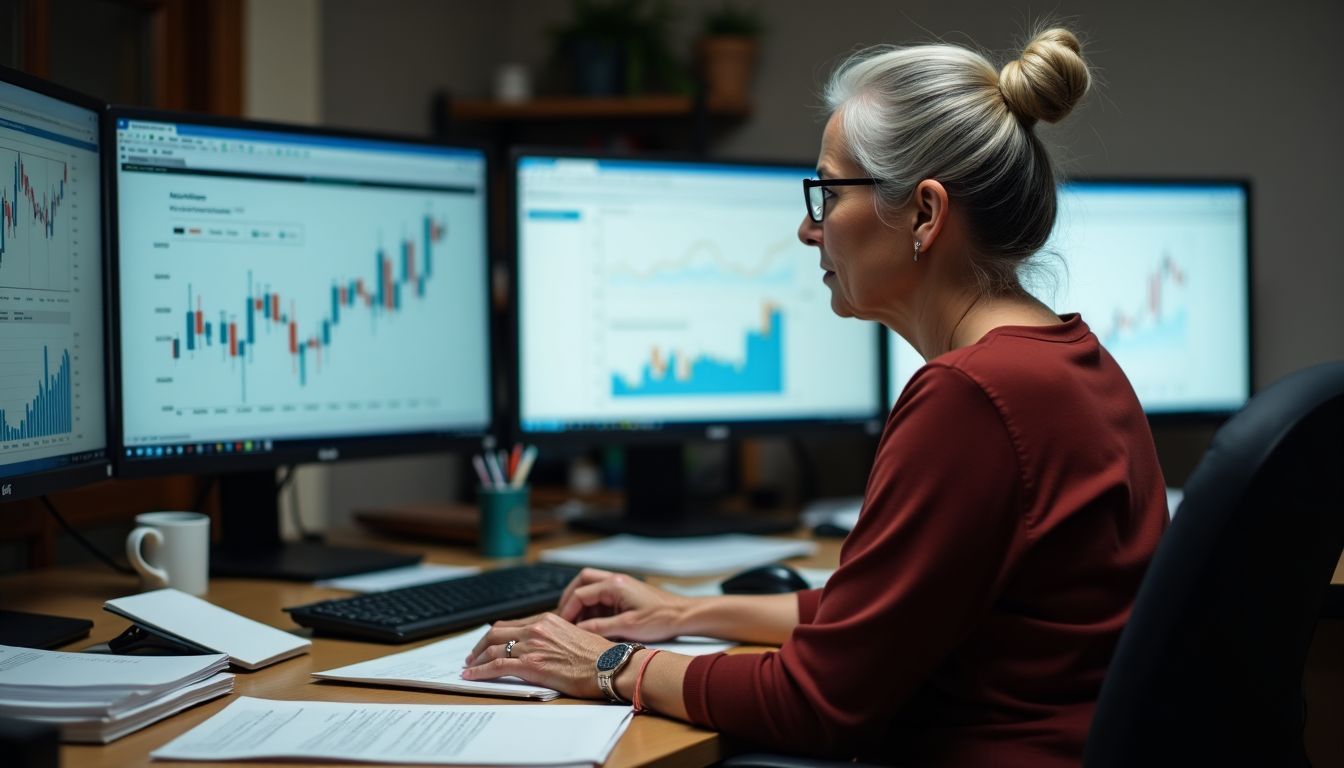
{"x": 155, "y": 577}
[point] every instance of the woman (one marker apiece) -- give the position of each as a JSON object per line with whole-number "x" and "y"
{"x": 1015, "y": 499}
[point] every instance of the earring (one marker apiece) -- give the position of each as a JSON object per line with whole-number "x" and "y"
{"x": 916, "y": 250}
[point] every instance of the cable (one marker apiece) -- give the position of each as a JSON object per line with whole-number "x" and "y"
{"x": 119, "y": 568}
{"x": 204, "y": 492}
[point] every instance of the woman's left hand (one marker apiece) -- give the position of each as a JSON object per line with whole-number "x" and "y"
{"x": 547, "y": 650}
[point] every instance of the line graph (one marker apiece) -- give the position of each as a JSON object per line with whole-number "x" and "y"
{"x": 704, "y": 261}
{"x": 34, "y": 230}
{"x": 1160, "y": 317}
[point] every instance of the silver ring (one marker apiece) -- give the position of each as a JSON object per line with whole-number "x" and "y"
{"x": 508, "y": 649}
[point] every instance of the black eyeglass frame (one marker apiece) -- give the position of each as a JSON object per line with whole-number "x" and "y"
{"x": 820, "y": 213}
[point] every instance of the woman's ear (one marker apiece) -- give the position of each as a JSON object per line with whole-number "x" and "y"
{"x": 929, "y": 203}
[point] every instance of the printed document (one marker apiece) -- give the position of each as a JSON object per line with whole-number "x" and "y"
{"x": 426, "y": 734}
{"x": 98, "y": 698}
{"x": 694, "y": 556}
{"x": 396, "y": 578}
{"x": 438, "y": 666}
{"x": 60, "y": 675}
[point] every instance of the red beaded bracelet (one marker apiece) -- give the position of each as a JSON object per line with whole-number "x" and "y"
{"x": 636, "y": 701}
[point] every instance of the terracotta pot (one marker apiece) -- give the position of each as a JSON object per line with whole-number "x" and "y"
{"x": 728, "y": 64}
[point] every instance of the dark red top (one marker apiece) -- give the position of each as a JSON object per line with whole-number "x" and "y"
{"x": 1013, "y": 506}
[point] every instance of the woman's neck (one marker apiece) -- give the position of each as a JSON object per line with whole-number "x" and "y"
{"x": 963, "y": 318}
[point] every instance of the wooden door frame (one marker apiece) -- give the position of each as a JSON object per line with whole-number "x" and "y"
{"x": 196, "y": 48}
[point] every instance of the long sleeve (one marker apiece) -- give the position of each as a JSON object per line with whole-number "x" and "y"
{"x": 809, "y": 600}
{"x": 942, "y": 515}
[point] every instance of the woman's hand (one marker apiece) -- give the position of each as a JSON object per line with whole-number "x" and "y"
{"x": 547, "y": 650}
{"x": 616, "y": 605}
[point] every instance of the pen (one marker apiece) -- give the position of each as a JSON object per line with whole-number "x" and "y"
{"x": 514, "y": 456}
{"x": 480, "y": 471}
{"x": 496, "y": 475}
{"x": 524, "y": 466}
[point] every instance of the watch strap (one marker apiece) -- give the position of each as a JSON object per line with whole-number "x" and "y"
{"x": 606, "y": 678}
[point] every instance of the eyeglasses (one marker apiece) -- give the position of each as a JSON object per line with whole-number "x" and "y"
{"x": 814, "y": 193}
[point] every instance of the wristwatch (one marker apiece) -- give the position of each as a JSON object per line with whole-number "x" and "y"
{"x": 609, "y": 663}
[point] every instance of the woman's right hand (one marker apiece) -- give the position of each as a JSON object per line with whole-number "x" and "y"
{"x": 617, "y": 605}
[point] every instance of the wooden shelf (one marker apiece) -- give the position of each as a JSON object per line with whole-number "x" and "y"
{"x": 574, "y": 108}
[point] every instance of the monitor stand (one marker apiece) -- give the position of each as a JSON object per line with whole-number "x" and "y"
{"x": 657, "y": 503}
{"x": 250, "y": 545}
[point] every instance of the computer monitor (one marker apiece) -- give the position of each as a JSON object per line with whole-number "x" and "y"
{"x": 290, "y": 295}
{"x": 53, "y": 379}
{"x": 659, "y": 300}
{"x": 53, "y": 389}
{"x": 1160, "y": 271}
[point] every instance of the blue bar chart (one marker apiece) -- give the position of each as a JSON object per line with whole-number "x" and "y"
{"x": 760, "y": 370}
{"x": 50, "y": 411}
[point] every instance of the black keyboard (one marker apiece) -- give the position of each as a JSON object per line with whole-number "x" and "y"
{"x": 410, "y": 613}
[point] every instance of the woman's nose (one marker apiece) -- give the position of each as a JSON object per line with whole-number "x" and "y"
{"x": 809, "y": 232}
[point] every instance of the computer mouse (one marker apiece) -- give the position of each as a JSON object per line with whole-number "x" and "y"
{"x": 830, "y": 531}
{"x": 772, "y": 579}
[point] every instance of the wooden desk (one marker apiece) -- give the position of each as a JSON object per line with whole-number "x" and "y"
{"x": 82, "y": 591}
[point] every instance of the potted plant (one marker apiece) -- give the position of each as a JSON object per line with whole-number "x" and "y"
{"x": 728, "y": 52}
{"x": 617, "y": 47}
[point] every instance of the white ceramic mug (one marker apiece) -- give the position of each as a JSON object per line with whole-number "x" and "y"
{"x": 176, "y": 550}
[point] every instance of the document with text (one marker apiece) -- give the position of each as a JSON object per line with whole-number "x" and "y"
{"x": 425, "y": 734}
{"x": 437, "y": 666}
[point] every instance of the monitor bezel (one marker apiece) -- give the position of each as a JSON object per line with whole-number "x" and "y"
{"x": 704, "y": 429}
{"x": 55, "y": 479}
{"x": 1167, "y": 417}
{"x": 289, "y": 452}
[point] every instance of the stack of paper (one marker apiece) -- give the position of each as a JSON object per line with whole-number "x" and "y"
{"x": 524, "y": 734}
{"x": 98, "y": 698}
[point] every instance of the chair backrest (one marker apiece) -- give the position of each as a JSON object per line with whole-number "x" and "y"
{"x": 1209, "y": 668}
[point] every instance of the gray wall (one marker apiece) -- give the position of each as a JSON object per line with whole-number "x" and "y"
{"x": 1188, "y": 88}
{"x": 1191, "y": 88}
{"x": 382, "y": 59}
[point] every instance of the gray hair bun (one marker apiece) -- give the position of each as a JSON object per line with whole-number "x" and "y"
{"x": 1049, "y": 79}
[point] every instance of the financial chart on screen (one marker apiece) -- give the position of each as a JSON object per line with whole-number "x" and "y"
{"x": 51, "y": 302}
{"x": 1160, "y": 273}
{"x": 280, "y": 286}
{"x": 659, "y": 292}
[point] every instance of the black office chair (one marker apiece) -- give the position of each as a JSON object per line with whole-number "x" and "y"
{"x": 1209, "y": 669}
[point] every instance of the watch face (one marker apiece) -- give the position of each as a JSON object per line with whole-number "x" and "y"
{"x": 612, "y": 657}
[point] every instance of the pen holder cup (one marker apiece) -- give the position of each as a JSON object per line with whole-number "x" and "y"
{"x": 505, "y": 518}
